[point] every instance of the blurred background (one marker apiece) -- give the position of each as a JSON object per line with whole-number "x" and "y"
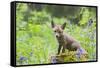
{"x": 36, "y": 41}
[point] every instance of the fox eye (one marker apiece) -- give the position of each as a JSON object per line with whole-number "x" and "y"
{"x": 60, "y": 31}
{"x": 54, "y": 31}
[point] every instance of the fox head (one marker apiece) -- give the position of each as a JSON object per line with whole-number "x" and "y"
{"x": 58, "y": 29}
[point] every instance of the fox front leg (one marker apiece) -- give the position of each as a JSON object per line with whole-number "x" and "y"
{"x": 63, "y": 50}
{"x": 59, "y": 49}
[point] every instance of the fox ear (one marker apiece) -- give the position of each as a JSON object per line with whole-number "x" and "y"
{"x": 52, "y": 24}
{"x": 63, "y": 26}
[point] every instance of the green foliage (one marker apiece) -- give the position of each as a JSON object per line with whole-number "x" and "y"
{"x": 36, "y": 41}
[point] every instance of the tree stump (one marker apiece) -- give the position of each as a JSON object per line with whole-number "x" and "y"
{"x": 70, "y": 56}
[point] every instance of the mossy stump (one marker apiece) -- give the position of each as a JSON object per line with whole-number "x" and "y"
{"x": 71, "y": 56}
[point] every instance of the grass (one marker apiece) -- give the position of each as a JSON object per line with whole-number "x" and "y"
{"x": 36, "y": 44}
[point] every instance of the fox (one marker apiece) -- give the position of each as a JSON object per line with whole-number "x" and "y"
{"x": 65, "y": 40}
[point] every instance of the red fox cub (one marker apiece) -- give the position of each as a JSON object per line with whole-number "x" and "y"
{"x": 65, "y": 40}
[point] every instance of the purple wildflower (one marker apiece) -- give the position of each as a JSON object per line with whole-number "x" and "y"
{"x": 22, "y": 58}
{"x": 79, "y": 52}
{"x": 53, "y": 59}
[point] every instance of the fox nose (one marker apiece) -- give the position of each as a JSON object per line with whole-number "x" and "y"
{"x": 57, "y": 36}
